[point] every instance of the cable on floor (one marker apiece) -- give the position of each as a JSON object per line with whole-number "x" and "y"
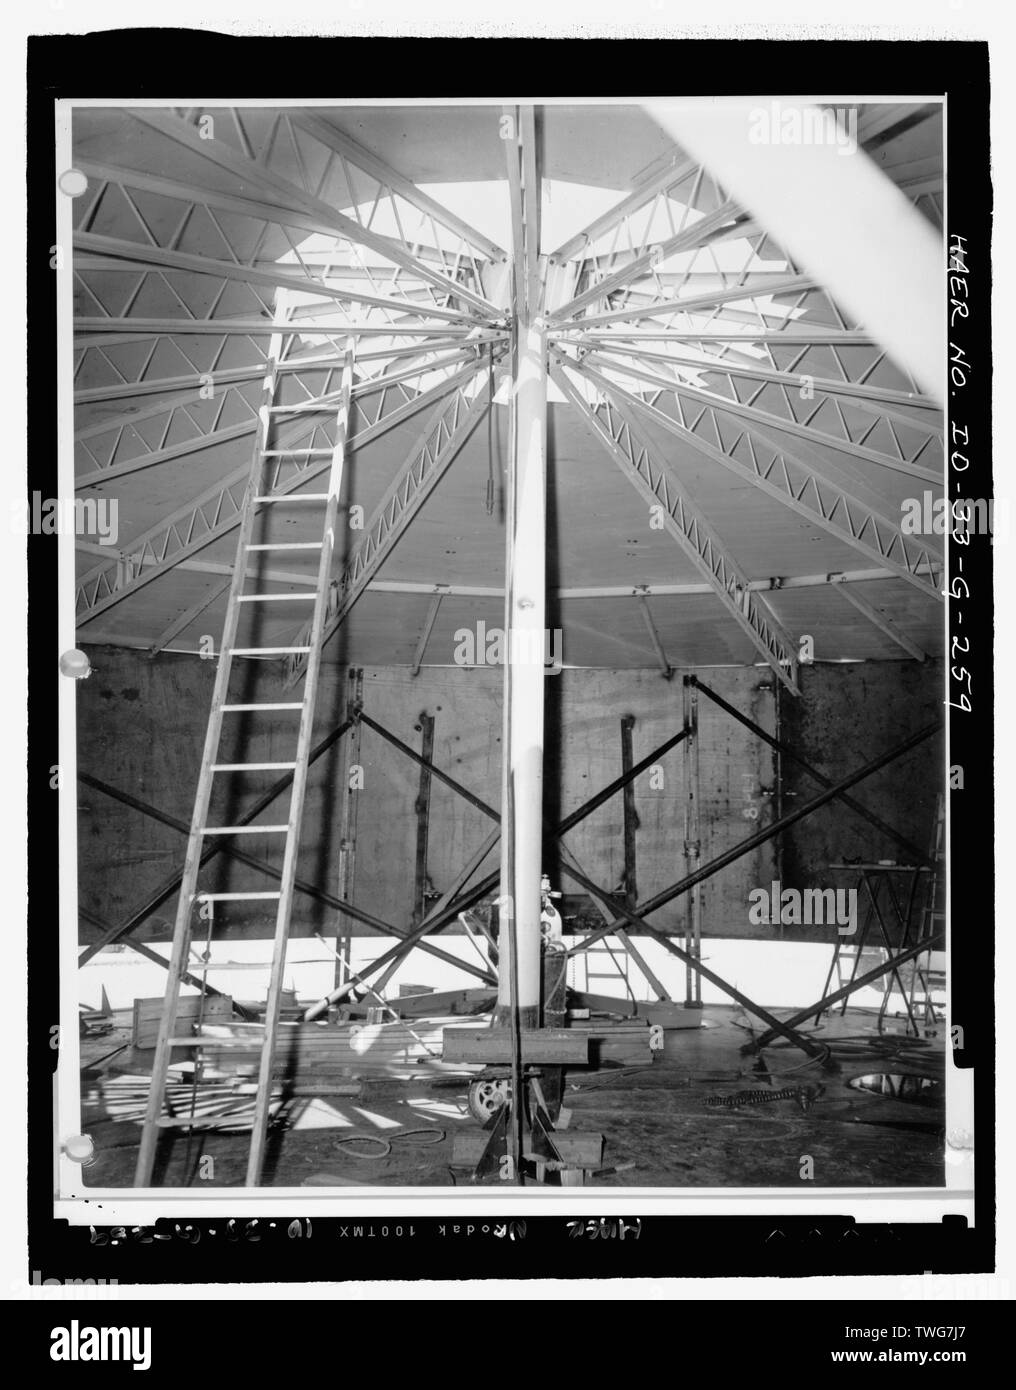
{"x": 386, "y": 1144}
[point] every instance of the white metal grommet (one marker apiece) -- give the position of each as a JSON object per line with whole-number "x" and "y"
{"x": 80, "y": 1148}
{"x": 72, "y": 182}
{"x": 75, "y": 663}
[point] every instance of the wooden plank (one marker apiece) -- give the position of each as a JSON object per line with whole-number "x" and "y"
{"x": 148, "y": 1013}
{"x": 669, "y": 1016}
{"x": 578, "y": 1150}
{"x": 449, "y": 1001}
{"x": 539, "y": 1045}
{"x": 603, "y": 1003}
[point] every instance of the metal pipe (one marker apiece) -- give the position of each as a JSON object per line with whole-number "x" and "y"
{"x": 524, "y": 682}
{"x": 822, "y": 1004}
{"x": 450, "y": 905}
{"x": 639, "y": 921}
{"x": 612, "y": 788}
{"x": 166, "y": 892}
{"x": 873, "y": 899}
{"x": 428, "y": 763}
{"x": 745, "y": 846}
{"x": 350, "y": 806}
{"x": 631, "y": 819}
{"x": 422, "y": 809}
{"x": 143, "y": 950}
{"x": 784, "y": 751}
{"x": 692, "y": 844}
{"x": 307, "y": 889}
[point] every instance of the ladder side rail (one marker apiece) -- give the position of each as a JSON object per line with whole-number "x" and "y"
{"x": 192, "y": 863}
{"x": 259, "y": 1128}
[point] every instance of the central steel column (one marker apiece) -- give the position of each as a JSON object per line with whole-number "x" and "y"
{"x": 525, "y": 626}
{"x": 519, "y": 973}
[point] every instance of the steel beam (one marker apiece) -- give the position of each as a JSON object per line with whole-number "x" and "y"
{"x": 107, "y": 474}
{"x": 878, "y": 400}
{"x": 255, "y": 173}
{"x": 187, "y": 978}
{"x": 675, "y": 172}
{"x": 788, "y": 753}
{"x": 520, "y": 972}
{"x": 820, "y": 337}
{"x": 452, "y": 904}
{"x": 753, "y": 841}
{"x": 686, "y": 240}
{"x": 765, "y": 420}
{"x": 794, "y": 484}
{"x": 158, "y": 386}
{"x": 217, "y": 510}
{"x": 294, "y": 367}
{"x": 308, "y": 890}
{"x": 708, "y": 299}
{"x": 263, "y": 328}
{"x": 630, "y": 814}
{"x": 168, "y": 889}
{"x": 892, "y": 964}
{"x": 156, "y": 257}
{"x": 692, "y": 843}
{"x": 429, "y": 766}
{"x": 349, "y": 794}
{"x": 659, "y": 487}
{"x": 181, "y": 623}
{"x": 638, "y": 921}
{"x": 426, "y": 630}
{"x": 260, "y": 210}
{"x": 666, "y": 670}
{"x": 111, "y": 423}
{"x": 425, "y": 466}
{"x": 422, "y": 809}
{"x": 389, "y": 178}
{"x": 884, "y": 624}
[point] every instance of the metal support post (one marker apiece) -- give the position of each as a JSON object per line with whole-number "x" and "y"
{"x": 347, "y": 831}
{"x": 422, "y": 809}
{"x": 631, "y": 818}
{"x": 692, "y": 845}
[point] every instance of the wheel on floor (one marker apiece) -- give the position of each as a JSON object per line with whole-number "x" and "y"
{"x": 487, "y": 1096}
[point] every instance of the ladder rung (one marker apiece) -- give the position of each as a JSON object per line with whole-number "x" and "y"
{"x": 244, "y": 829}
{"x": 250, "y": 767}
{"x": 276, "y": 598}
{"x": 287, "y": 545}
{"x": 226, "y": 1119}
{"x": 294, "y": 497}
{"x": 236, "y": 709}
{"x": 253, "y": 1044}
{"x": 265, "y": 651}
{"x": 236, "y": 897}
{"x": 292, "y": 453}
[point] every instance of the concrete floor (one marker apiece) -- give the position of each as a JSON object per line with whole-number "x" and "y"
{"x": 658, "y": 1129}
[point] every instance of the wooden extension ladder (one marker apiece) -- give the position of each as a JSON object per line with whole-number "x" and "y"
{"x": 155, "y": 1121}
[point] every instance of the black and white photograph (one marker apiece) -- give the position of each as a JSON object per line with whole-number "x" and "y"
{"x": 523, "y": 629}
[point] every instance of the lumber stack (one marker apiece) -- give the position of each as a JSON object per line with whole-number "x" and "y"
{"x": 223, "y": 1103}
{"x": 319, "y": 1052}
